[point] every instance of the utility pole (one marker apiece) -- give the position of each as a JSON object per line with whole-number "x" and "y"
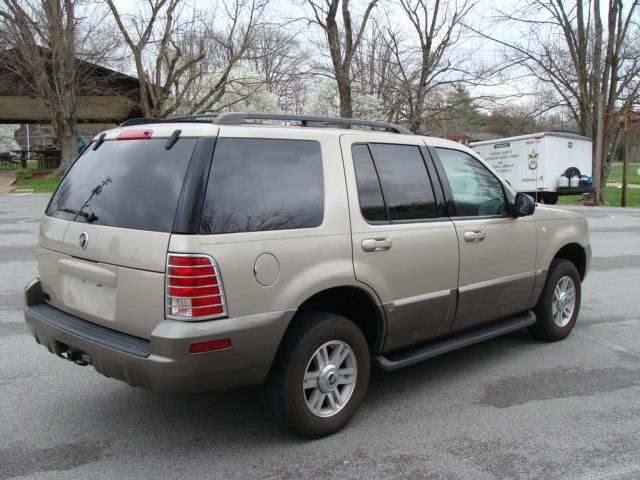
{"x": 625, "y": 158}
{"x": 629, "y": 118}
{"x": 598, "y": 150}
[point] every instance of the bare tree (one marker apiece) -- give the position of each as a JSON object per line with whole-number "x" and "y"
{"x": 279, "y": 58}
{"x": 376, "y": 72}
{"x": 175, "y": 47}
{"x": 594, "y": 68}
{"x": 44, "y": 52}
{"x": 342, "y": 42}
{"x": 412, "y": 61}
{"x": 437, "y": 28}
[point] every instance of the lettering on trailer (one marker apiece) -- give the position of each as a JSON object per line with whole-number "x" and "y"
{"x": 505, "y": 156}
{"x": 502, "y": 161}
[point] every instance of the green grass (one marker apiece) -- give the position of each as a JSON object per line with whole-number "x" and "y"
{"x": 615, "y": 175}
{"x": 612, "y": 195}
{"x": 42, "y": 184}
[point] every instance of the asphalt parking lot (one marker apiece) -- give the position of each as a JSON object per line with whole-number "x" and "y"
{"x": 509, "y": 408}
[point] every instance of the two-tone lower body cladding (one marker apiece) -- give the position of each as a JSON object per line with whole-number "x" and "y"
{"x": 163, "y": 362}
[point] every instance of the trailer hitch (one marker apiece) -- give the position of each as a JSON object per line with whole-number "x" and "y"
{"x": 74, "y": 355}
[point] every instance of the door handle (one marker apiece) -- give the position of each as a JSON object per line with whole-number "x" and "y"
{"x": 376, "y": 244}
{"x": 473, "y": 236}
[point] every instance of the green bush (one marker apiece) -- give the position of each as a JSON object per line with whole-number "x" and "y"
{"x": 21, "y": 174}
{"x": 32, "y": 164}
{"x": 24, "y": 173}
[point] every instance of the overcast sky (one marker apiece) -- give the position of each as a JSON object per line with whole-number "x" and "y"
{"x": 478, "y": 51}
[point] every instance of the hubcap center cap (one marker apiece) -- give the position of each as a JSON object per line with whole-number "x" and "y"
{"x": 328, "y": 378}
{"x": 563, "y": 300}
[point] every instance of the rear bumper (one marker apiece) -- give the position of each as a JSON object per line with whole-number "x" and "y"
{"x": 163, "y": 362}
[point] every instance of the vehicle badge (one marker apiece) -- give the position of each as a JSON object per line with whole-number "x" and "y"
{"x": 83, "y": 240}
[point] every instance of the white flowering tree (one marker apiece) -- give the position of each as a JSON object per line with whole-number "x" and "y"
{"x": 246, "y": 91}
{"x": 8, "y": 138}
{"x": 324, "y": 101}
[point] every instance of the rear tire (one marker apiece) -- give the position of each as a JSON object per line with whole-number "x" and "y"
{"x": 320, "y": 375}
{"x": 550, "y": 198}
{"x": 559, "y": 303}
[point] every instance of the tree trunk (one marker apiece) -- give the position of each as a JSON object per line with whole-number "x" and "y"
{"x": 346, "y": 105}
{"x": 68, "y": 149}
{"x": 415, "y": 123}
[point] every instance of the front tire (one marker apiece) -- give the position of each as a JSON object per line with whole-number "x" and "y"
{"x": 320, "y": 375}
{"x": 559, "y": 303}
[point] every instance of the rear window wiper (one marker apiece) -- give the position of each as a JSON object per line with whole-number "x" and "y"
{"x": 90, "y": 217}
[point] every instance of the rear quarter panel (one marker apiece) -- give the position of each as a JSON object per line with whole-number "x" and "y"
{"x": 309, "y": 259}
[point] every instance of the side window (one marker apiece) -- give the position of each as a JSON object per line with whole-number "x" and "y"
{"x": 405, "y": 182}
{"x": 369, "y": 192}
{"x": 476, "y": 191}
{"x": 264, "y": 184}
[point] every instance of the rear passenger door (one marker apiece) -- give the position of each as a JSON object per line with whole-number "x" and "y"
{"x": 404, "y": 245}
{"x": 497, "y": 251}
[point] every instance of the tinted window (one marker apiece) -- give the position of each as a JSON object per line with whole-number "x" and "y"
{"x": 369, "y": 193}
{"x": 405, "y": 182}
{"x": 127, "y": 184}
{"x": 476, "y": 191}
{"x": 264, "y": 184}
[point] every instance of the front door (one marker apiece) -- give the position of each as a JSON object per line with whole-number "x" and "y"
{"x": 404, "y": 245}
{"x": 497, "y": 251}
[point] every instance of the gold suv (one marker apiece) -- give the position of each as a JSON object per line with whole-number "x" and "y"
{"x": 208, "y": 252}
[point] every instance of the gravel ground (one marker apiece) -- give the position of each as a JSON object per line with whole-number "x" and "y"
{"x": 509, "y": 408}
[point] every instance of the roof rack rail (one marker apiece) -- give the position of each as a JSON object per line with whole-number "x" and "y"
{"x": 237, "y": 118}
{"x": 204, "y": 118}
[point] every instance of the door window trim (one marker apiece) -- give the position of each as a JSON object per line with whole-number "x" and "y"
{"x": 375, "y": 169}
{"x": 448, "y": 193}
{"x": 439, "y": 196}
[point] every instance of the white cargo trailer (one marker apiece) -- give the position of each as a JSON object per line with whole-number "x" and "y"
{"x": 543, "y": 165}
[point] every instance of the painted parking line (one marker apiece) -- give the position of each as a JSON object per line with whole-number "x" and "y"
{"x": 611, "y": 345}
{"x": 630, "y": 471}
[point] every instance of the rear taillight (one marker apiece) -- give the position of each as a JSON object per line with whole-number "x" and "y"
{"x": 193, "y": 288}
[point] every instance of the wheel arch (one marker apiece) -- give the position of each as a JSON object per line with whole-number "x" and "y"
{"x": 356, "y": 303}
{"x": 576, "y": 254}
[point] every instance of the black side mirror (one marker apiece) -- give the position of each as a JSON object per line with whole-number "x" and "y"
{"x": 523, "y": 205}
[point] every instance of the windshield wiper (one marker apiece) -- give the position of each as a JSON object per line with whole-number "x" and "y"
{"x": 90, "y": 217}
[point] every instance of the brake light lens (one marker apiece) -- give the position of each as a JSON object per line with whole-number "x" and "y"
{"x": 193, "y": 288}
{"x": 135, "y": 135}
{"x": 211, "y": 346}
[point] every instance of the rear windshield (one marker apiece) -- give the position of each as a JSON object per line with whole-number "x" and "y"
{"x": 127, "y": 184}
